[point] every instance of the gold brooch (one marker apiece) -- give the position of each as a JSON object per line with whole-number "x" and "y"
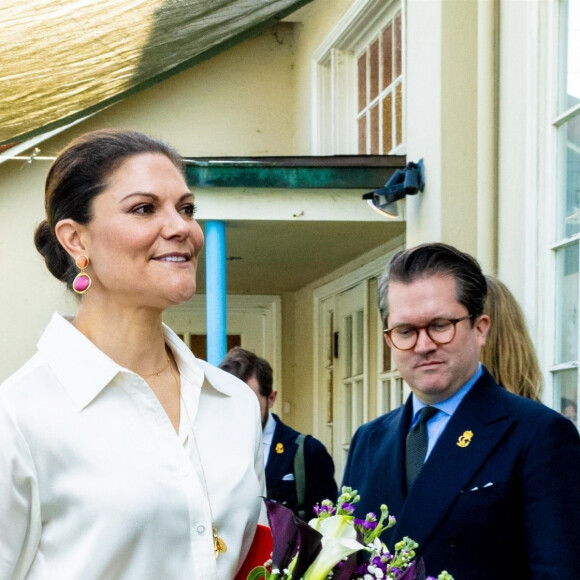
{"x": 279, "y": 448}
{"x": 465, "y": 439}
{"x": 218, "y": 544}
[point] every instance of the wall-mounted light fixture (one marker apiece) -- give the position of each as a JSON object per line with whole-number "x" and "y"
{"x": 408, "y": 181}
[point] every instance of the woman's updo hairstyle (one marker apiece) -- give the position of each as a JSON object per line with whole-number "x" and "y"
{"x": 77, "y": 176}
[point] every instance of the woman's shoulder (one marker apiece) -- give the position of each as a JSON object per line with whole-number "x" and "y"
{"x": 226, "y": 382}
{"x": 21, "y": 387}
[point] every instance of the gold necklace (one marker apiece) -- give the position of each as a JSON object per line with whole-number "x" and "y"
{"x": 159, "y": 371}
{"x": 219, "y": 544}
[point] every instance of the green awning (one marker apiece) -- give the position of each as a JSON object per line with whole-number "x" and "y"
{"x": 61, "y": 60}
{"x": 312, "y": 172}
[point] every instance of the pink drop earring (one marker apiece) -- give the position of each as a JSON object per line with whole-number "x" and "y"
{"x": 82, "y": 281}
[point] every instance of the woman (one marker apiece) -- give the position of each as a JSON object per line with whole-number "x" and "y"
{"x": 509, "y": 353}
{"x": 120, "y": 452}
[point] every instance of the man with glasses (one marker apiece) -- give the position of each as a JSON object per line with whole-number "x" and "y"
{"x": 488, "y": 483}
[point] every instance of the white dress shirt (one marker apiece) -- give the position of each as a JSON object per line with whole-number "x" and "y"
{"x": 96, "y": 484}
{"x": 268, "y": 436}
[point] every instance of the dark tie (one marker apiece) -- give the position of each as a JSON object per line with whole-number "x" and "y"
{"x": 417, "y": 444}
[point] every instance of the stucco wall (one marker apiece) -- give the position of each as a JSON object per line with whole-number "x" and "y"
{"x": 441, "y": 120}
{"x": 29, "y": 294}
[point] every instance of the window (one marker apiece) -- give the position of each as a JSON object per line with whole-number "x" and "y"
{"x": 380, "y": 91}
{"x": 359, "y": 82}
{"x": 392, "y": 391}
{"x": 567, "y": 227}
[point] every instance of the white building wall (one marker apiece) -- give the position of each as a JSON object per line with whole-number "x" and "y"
{"x": 441, "y": 120}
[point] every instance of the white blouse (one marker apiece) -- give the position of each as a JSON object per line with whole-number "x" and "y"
{"x": 96, "y": 484}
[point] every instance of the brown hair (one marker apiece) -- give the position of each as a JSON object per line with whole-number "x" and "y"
{"x": 436, "y": 259}
{"x": 245, "y": 364}
{"x": 77, "y": 176}
{"x": 509, "y": 353}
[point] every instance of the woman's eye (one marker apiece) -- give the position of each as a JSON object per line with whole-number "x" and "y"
{"x": 189, "y": 209}
{"x": 143, "y": 209}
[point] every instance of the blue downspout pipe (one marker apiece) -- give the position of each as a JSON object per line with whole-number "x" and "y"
{"x": 215, "y": 260}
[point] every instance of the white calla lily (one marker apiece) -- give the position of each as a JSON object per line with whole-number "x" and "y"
{"x": 338, "y": 542}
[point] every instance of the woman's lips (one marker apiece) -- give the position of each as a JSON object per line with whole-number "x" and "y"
{"x": 175, "y": 257}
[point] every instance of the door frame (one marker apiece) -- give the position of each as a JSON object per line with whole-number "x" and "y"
{"x": 371, "y": 269}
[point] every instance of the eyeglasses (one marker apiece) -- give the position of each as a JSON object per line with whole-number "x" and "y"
{"x": 440, "y": 331}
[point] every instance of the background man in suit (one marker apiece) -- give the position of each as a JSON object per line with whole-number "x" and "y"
{"x": 498, "y": 495}
{"x": 285, "y": 479}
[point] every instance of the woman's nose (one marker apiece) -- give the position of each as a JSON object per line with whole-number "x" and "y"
{"x": 175, "y": 224}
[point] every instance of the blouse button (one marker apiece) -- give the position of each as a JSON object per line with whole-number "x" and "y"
{"x": 200, "y": 529}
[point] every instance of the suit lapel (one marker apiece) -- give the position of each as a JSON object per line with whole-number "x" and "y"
{"x": 393, "y": 463}
{"x": 281, "y": 453}
{"x": 450, "y": 466}
{"x": 376, "y": 471}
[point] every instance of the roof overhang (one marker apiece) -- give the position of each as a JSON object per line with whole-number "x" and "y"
{"x": 302, "y": 172}
{"x": 62, "y": 61}
{"x": 292, "y": 220}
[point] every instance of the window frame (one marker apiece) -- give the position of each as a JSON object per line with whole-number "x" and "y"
{"x": 335, "y": 97}
{"x": 560, "y": 240}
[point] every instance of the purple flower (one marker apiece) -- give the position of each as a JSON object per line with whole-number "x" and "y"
{"x": 365, "y": 524}
{"x": 324, "y": 509}
{"x": 416, "y": 571}
{"x": 347, "y": 508}
{"x": 292, "y": 536}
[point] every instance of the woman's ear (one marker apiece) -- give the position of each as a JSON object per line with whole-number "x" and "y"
{"x": 71, "y": 236}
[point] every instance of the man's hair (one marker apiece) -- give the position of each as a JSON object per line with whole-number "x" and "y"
{"x": 245, "y": 364}
{"x": 436, "y": 260}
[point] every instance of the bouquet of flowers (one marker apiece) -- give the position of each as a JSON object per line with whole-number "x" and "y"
{"x": 327, "y": 546}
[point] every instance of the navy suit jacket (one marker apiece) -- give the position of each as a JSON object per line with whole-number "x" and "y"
{"x": 506, "y": 506}
{"x": 318, "y": 468}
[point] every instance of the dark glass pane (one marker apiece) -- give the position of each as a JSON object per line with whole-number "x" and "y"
{"x": 374, "y": 70}
{"x": 387, "y": 53}
{"x": 566, "y": 323}
{"x": 362, "y": 81}
{"x": 398, "y": 47}
{"x": 569, "y": 152}
{"x": 386, "y": 357}
{"x": 569, "y": 49}
{"x": 387, "y": 106}
{"x": 330, "y": 394}
{"x": 566, "y": 393}
{"x": 362, "y": 135}
{"x": 348, "y": 324}
{"x": 198, "y": 344}
{"x": 399, "y": 114}
{"x": 375, "y": 130}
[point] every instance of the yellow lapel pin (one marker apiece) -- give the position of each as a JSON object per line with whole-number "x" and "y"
{"x": 465, "y": 439}
{"x": 279, "y": 448}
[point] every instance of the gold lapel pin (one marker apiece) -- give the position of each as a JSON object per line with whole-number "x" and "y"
{"x": 465, "y": 439}
{"x": 279, "y": 448}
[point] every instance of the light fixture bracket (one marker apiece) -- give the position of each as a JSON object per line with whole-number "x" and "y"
{"x": 403, "y": 182}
